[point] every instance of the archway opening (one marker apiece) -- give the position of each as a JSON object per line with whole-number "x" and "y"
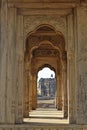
{"x": 46, "y": 89}
{"x": 45, "y": 47}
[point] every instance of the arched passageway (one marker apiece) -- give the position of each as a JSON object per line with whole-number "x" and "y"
{"x": 45, "y": 48}
{"x": 46, "y": 89}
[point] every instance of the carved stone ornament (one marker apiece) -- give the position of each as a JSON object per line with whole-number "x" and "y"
{"x": 51, "y": 53}
{"x": 64, "y": 55}
{"x": 31, "y": 22}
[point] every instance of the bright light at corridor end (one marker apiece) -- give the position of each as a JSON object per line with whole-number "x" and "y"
{"x": 46, "y": 73}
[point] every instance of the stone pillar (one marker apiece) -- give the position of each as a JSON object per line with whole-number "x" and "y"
{"x": 30, "y": 91}
{"x": 26, "y": 90}
{"x": 11, "y": 66}
{"x": 59, "y": 92}
{"x": 19, "y": 70}
{"x": 64, "y": 85}
{"x": 56, "y": 92}
{"x": 71, "y": 89}
{"x": 71, "y": 69}
{"x": 34, "y": 92}
{"x": 3, "y": 60}
{"x": 81, "y": 64}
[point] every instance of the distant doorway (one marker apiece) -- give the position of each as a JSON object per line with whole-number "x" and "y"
{"x": 46, "y": 88}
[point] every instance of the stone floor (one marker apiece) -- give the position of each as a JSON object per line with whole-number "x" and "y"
{"x": 46, "y": 103}
{"x": 46, "y": 113}
{"x": 47, "y": 116}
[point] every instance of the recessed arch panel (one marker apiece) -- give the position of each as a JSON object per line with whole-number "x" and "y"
{"x": 42, "y": 34}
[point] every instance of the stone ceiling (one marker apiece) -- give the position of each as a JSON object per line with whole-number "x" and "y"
{"x": 43, "y": 1}
{"x": 45, "y": 4}
{"x": 48, "y": 1}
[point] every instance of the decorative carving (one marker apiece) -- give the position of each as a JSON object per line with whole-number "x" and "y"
{"x": 69, "y": 127}
{"x": 51, "y": 53}
{"x": 58, "y": 22}
{"x": 57, "y": 40}
{"x": 64, "y": 55}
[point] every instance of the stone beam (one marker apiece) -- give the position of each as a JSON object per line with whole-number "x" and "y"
{"x": 42, "y": 5}
{"x": 44, "y": 12}
{"x": 45, "y": 1}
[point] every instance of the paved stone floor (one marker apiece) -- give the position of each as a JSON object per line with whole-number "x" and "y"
{"x": 46, "y": 116}
{"x": 50, "y": 103}
{"x": 46, "y": 113}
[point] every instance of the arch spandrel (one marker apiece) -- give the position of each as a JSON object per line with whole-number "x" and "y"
{"x": 38, "y": 63}
{"x": 57, "y": 41}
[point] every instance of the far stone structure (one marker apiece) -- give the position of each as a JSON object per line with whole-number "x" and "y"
{"x": 46, "y": 87}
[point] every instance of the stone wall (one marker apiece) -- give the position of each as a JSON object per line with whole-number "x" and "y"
{"x": 82, "y": 65}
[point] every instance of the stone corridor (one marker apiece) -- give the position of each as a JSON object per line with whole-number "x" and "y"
{"x": 35, "y": 34}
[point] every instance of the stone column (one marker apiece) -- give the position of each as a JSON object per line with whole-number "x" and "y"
{"x": 64, "y": 85}
{"x": 81, "y": 64}
{"x": 30, "y": 90}
{"x": 71, "y": 69}
{"x": 56, "y": 94}
{"x": 11, "y": 66}
{"x": 19, "y": 70}
{"x": 26, "y": 90}
{"x": 59, "y": 92}
{"x": 34, "y": 92}
{"x": 71, "y": 89}
{"x": 3, "y": 60}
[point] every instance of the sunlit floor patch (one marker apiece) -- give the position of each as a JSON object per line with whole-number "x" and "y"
{"x": 47, "y": 116}
{"x": 46, "y": 121}
{"x": 53, "y": 113}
